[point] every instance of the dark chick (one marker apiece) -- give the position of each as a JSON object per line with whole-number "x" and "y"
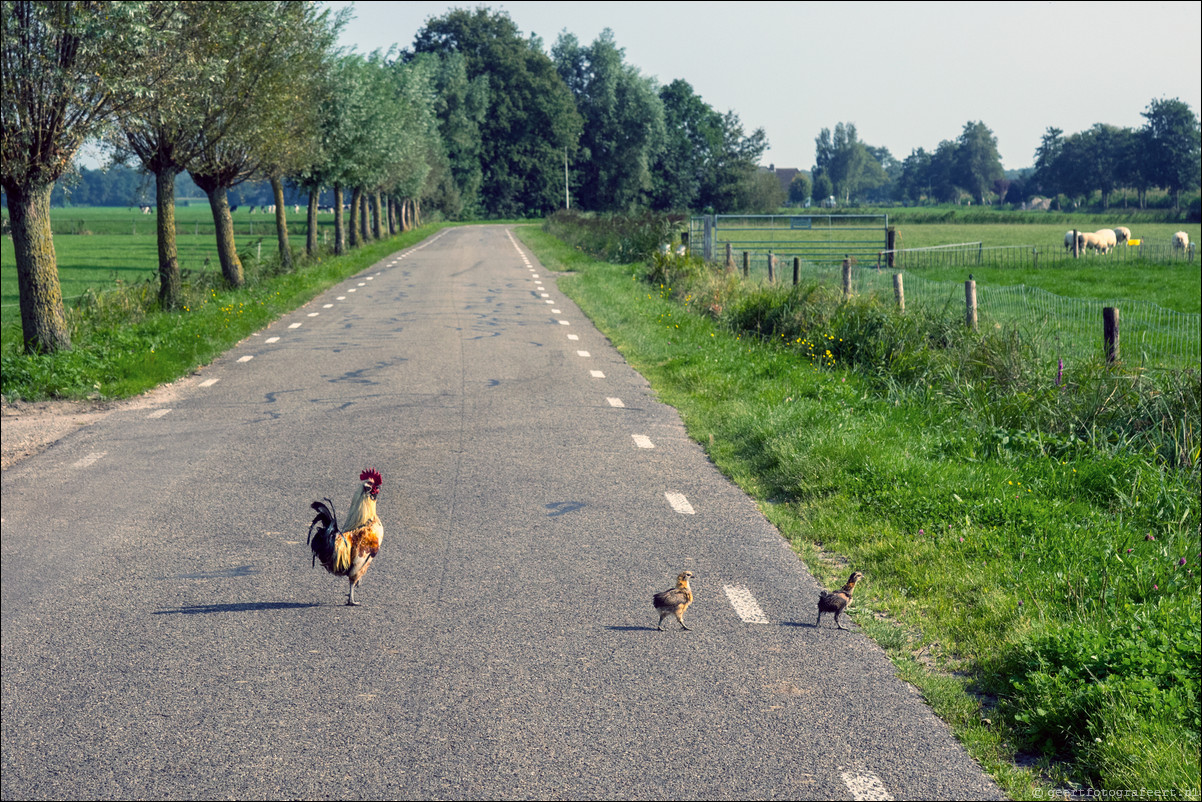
{"x": 837, "y": 602}
{"x": 675, "y": 601}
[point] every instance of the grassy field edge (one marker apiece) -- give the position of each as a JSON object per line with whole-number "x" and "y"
{"x": 638, "y": 321}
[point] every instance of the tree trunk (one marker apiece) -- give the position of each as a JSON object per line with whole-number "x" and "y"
{"x": 281, "y": 223}
{"x": 339, "y": 224}
{"x": 43, "y": 319}
{"x": 311, "y": 234}
{"x": 169, "y": 279}
{"x": 391, "y": 216}
{"x": 364, "y": 223}
{"x": 227, "y": 252}
{"x": 377, "y": 215}
{"x": 356, "y": 202}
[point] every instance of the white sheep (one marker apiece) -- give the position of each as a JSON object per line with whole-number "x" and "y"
{"x": 1180, "y": 241}
{"x": 1068, "y": 240}
{"x": 1087, "y": 241}
{"x": 1122, "y": 234}
{"x": 1108, "y": 239}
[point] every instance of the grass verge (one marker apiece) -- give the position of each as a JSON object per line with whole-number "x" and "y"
{"x": 1042, "y": 592}
{"x": 122, "y": 344}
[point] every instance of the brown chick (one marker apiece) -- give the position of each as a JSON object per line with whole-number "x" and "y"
{"x": 837, "y": 602}
{"x": 675, "y": 601}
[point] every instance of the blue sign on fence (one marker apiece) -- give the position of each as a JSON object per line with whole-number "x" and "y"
{"x": 801, "y": 223}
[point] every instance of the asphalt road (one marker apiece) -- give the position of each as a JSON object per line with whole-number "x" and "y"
{"x": 164, "y": 635}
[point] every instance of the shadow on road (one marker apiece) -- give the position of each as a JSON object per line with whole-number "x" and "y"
{"x": 632, "y": 629}
{"x": 243, "y": 607}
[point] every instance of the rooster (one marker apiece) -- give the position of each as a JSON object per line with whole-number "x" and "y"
{"x": 348, "y": 552}
{"x": 675, "y": 601}
{"x": 837, "y": 602}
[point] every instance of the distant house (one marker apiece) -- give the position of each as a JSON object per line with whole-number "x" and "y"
{"x": 786, "y": 175}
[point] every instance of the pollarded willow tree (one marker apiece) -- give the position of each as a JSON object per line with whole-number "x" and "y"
{"x": 68, "y": 70}
{"x": 252, "y": 108}
{"x": 166, "y": 134}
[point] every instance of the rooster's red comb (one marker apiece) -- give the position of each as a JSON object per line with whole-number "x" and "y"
{"x": 373, "y": 476}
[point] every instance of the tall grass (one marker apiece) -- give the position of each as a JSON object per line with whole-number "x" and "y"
{"x": 1035, "y": 534}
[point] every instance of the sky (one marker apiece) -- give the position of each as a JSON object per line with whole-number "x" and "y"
{"x": 908, "y": 75}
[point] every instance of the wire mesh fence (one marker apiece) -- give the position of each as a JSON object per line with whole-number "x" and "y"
{"x": 1071, "y": 328}
{"x": 975, "y": 254}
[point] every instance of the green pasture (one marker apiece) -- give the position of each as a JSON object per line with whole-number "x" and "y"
{"x": 103, "y": 248}
{"x": 108, "y": 261}
{"x": 1048, "y": 237}
{"x": 1171, "y": 283}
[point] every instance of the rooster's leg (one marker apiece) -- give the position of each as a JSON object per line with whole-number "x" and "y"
{"x": 840, "y": 626}
{"x": 350, "y": 600}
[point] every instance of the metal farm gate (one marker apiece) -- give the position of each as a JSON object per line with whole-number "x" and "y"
{"x": 813, "y": 237}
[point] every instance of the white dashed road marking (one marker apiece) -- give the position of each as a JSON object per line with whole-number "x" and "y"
{"x": 583, "y": 353}
{"x": 209, "y": 382}
{"x": 679, "y": 503}
{"x": 294, "y": 325}
{"x": 745, "y": 604}
{"x": 615, "y": 402}
{"x": 865, "y": 786}
{"x": 158, "y": 413}
{"x": 596, "y": 374}
{"x": 90, "y": 458}
{"x": 272, "y": 340}
{"x": 246, "y": 358}
{"x": 564, "y": 323}
{"x": 314, "y": 314}
{"x": 573, "y": 337}
{"x": 642, "y": 441}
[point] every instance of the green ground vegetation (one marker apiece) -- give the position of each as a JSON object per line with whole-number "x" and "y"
{"x": 123, "y": 344}
{"x": 1031, "y": 545}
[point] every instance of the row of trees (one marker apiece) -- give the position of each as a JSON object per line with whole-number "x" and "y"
{"x": 1166, "y": 152}
{"x": 526, "y": 133}
{"x": 1163, "y": 153}
{"x": 474, "y": 120}
{"x": 847, "y": 168}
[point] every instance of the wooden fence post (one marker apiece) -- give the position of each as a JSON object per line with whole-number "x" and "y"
{"x": 1035, "y": 257}
{"x": 970, "y": 304}
{"x": 771, "y": 268}
{"x": 796, "y": 270}
{"x": 730, "y": 259}
{"x": 899, "y": 292}
{"x": 1110, "y": 334}
{"x": 891, "y": 244}
{"x": 746, "y": 264}
{"x": 1076, "y": 249}
{"x": 847, "y": 279}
